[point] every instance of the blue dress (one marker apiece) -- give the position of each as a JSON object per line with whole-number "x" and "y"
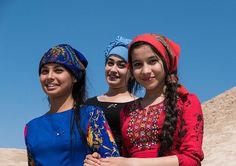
{"x": 51, "y": 141}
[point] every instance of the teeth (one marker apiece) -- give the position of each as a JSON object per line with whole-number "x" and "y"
{"x": 114, "y": 76}
{"x": 50, "y": 85}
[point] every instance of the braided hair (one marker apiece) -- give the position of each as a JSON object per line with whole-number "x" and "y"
{"x": 170, "y": 93}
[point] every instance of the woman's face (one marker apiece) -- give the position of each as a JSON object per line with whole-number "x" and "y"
{"x": 56, "y": 81}
{"x": 148, "y": 68}
{"x": 116, "y": 72}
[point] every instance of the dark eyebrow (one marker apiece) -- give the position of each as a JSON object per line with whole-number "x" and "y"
{"x": 154, "y": 56}
{"x": 135, "y": 61}
{"x": 119, "y": 61}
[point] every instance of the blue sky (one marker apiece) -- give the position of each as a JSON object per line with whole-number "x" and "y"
{"x": 206, "y": 31}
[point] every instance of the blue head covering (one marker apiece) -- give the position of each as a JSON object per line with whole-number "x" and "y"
{"x": 66, "y": 56}
{"x": 118, "y": 47}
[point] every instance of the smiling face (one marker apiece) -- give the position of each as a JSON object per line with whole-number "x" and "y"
{"x": 56, "y": 81}
{"x": 117, "y": 73}
{"x": 148, "y": 68}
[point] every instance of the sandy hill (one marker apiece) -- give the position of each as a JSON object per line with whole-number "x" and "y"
{"x": 219, "y": 142}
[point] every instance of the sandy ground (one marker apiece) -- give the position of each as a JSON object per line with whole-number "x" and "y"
{"x": 13, "y": 157}
{"x": 219, "y": 143}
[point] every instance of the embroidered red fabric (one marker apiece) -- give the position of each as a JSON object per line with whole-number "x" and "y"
{"x": 141, "y": 128}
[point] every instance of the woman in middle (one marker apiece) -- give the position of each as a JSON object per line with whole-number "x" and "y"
{"x": 120, "y": 85}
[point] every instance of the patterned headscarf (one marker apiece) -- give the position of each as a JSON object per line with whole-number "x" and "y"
{"x": 118, "y": 47}
{"x": 66, "y": 56}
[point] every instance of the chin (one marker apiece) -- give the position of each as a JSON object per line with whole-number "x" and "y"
{"x": 113, "y": 83}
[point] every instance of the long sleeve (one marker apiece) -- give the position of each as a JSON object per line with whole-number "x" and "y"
{"x": 191, "y": 133}
{"x": 29, "y": 154}
{"x": 99, "y": 135}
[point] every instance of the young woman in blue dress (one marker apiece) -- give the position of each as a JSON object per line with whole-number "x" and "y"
{"x": 69, "y": 130}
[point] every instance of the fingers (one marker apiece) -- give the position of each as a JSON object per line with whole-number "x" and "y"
{"x": 91, "y": 161}
{"x": 96, "y": 155}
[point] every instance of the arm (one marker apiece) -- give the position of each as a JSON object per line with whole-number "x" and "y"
{"x": 29, "y": 155}
{"x": 158, "y": 161}
{"x": 191, "y": 132}
{"x": 99, "y": 135}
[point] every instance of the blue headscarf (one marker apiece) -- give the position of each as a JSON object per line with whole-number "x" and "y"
{"x": 118, "y": 47}
{"x": 66, "y": 56}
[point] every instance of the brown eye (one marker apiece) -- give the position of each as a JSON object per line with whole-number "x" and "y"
{"x": 110, "y": 63}
{"x": 153, "y": 61}
{"x": 59, "y": 70}
{"x": 121, "y": 65}
{"x": 44, "y": 71}
{"x": 137, "y": 65}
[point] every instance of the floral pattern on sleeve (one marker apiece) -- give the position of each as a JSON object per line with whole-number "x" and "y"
{"x": 190, "y": 133}
{"x": 99, "y": 136}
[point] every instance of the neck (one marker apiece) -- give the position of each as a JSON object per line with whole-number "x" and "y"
{"x": 119, "y": 95}
{"x": 117, "y": 91}
{"x": 61, "y": 104}
{"x": 153, "y": 97}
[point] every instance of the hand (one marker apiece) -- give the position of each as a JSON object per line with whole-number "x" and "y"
{"x": 92, "y": 159}
{"x": 116, "y": 161}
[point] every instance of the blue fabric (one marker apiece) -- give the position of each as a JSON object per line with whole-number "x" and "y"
{"x": 66, "y": 56}
{"x": 118, "y": 47}
{"x": 48, "y": 138}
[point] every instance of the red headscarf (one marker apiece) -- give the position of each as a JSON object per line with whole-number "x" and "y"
{"x": 162, "y": 44}
{"x": 169, "y": 50}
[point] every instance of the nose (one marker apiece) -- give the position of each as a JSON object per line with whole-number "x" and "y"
{"x": 50, "y": 75}
{"x": 146, "y": 69}
{"x": 114, "y": 68}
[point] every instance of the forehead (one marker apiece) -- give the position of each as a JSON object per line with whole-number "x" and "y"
{"x": 142, "y": 49}
{"x": 115, "y": 58}
{"x": 52, "y": 65}
{"x": 143, "y": 52}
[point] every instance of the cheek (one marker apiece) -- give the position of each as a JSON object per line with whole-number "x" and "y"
{"x": 107, "y": 68}
{"x": 136, "y": 73}
{"x": 123, "y": 72}
{"x": 41, "y": 79}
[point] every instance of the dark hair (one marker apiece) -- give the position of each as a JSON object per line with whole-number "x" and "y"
{"x": 169, "y": 126}
{"x": 79, "y": 94}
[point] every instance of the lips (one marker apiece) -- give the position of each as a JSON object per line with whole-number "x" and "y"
{"x": 51, "y": 86}
{"x": 147, "y": 79}
{"x": 113, "y": 77}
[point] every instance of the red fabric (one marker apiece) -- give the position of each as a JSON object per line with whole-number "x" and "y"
{"x": 141, "y": 128}
{"x": 156, "y": 41}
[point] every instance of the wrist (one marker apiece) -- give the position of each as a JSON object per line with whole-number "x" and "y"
{"x": 133, "y": 162}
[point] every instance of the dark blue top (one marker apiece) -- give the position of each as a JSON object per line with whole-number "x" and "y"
{"x": 49, "y": 139}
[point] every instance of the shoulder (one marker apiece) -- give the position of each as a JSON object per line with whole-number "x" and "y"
{"x": 36, "y": 121}
{"x": 190, "y": 104}
{"x": 33, "y": 125}
{"x": 189, "y": 99}
{"x": 89, "y": 110}
{"x": 91, "y": 101}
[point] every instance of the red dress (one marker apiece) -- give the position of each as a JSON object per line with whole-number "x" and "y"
{"x": 141, "y": 129}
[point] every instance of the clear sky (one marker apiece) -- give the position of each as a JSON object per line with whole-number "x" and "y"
{"x": 205, "y": 29}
